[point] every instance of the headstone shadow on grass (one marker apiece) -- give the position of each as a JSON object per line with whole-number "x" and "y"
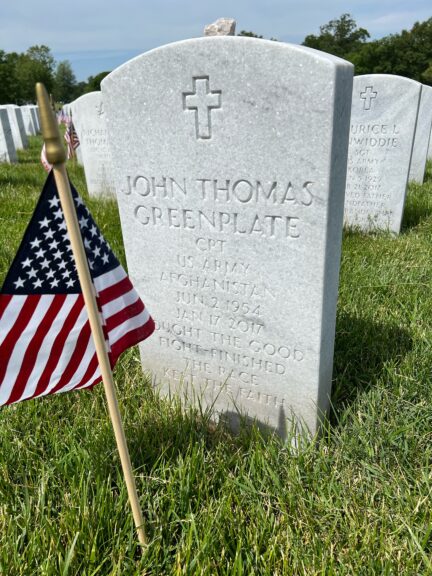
{"x": 363, "y": 348}
{"x": 417, "y": 208}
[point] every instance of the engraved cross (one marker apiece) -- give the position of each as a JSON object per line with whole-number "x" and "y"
{"x": 202, "y": 100}
{"x": 368, "y": 96}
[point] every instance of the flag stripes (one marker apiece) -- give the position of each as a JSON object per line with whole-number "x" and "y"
{"x": 46, "y": 343}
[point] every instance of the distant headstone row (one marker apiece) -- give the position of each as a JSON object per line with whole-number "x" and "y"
{"x": 16, "y": 124}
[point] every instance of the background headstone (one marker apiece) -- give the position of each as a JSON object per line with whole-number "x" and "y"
{"x": 230, "y": 162}
{"x": 29, "y": 125}
{"x": 422, "y": 134}
{"x": 21, "y": 127}
{"x": 7, "y": 147}
{"x": 383, "y": 117}
{"x": 88, "y": 116}
{"x": 13, "y": 121}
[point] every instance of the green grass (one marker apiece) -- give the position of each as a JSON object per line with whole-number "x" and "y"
{"x": 357, "y": 501}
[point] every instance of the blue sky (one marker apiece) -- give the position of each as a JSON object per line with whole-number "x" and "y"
{"x": 98, "y": 35}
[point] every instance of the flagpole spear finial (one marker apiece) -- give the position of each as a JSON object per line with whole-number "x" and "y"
{"x": 55, "y": 151}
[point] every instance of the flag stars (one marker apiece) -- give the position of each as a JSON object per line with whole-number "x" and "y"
{"x": 54, "y": 283}
{"x": 49, "y": 234}
{"x": 87, "y": 243}
{"x": 66, "y": 274}
{"x": 32, "y": 273}
{"x": 62, "y": 225}
{"x": 40, "y": 253}
{"x": 62, "y": 265}
{"x": 44, "y": 264}
{"x": 57, "y": 255}
{"x": 27, "y": 262}
{"x": 37, "y": 284}
{"x": 83, "y": 222}
{"x": 53, "y": 245}
{"x": 96, "y": 251}
{"x": 70, "y": 283}
{"x": 58, "y": 214}
{"x": 50, "y": 274}
{"x": 19, "y": 283}
{"x": 54, "y": 202}
{"x": 35, "y": 243}
{"x": 44, "y": 223}
{"x": 93, "y": 230}
{"x": 105, "y": 258}
{"x": 79, "y": 201}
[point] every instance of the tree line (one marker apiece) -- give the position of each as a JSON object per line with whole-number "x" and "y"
{"x": 408, "y": 53}
{"x": 20, "y": 72}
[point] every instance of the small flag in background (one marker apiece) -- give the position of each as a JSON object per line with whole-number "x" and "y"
{"x": 45, "y": 340}
{"x": 71, "y": 138}
{"x": 44, "y": 159}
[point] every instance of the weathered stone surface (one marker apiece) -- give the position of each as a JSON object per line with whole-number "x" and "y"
{"x": 88, "y": 116}
{"x": 230, "y": 163}
{"x": 383, "y": 117}
{"x": 7, "y": 148}
{"x": 222, "y": 27}
{"x": 422, "y": 134}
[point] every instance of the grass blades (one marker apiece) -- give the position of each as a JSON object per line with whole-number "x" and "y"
{"x": 358, "y": 501}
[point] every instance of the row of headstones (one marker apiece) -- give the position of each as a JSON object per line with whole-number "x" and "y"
{"x": 16, "y": 124}
{"x": 229, "y": 159}
{"x": 391, "y": 119}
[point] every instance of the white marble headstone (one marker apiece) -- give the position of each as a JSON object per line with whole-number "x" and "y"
{"x": 29, "y": 124}
{"x": 7, "y": 147}
{"x": 88, "y": 115}
{"x": 422, "y": 134}
{"x": 21, "y": 127}
{"x": 383, "y": 118}
{"x": 19, "y": 143}
{"x": 230, "y": 161}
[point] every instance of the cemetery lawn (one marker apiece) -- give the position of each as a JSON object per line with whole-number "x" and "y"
{"x": 357, "y": 501}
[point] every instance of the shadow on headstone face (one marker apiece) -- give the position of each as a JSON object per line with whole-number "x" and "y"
{"x": 362, "y": 350}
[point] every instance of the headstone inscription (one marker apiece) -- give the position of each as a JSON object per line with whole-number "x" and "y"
{"x": 88, "y": 116}
{"x": 422, "y": 134}
{"x": 383, "y": 117}
{"x": 230, "y": 161}
{"x": 7, "y": 148}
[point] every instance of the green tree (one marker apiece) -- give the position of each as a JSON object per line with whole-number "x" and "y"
{"x": 8, "y": 81}
{"x": 406, "y": 54}
{"x": 64, "y": 82}
{"x": 94, "y": 82}
{"x": 36, "y": 65}
{"x": 340, "y": 37}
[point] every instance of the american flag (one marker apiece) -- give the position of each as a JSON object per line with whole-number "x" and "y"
{"x": 71, "y": 138}
{"x": 45, "y": 340}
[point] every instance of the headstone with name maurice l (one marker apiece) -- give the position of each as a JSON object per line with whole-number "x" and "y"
{"x": 383, "y": 119}
{"x": 7, "y": 147}
{"x": 422, "y": 135}
{"x": 88, "y": 116}
{"x": 230, "y": 161}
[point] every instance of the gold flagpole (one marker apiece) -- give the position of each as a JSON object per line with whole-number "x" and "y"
{"x": 56, "y": 155}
